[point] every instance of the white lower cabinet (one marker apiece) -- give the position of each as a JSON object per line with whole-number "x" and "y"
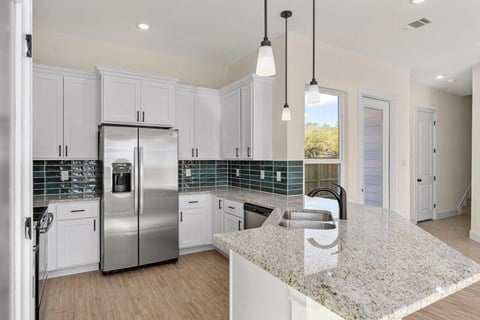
{"x": 73, "y": 238}
{"x": 232, "y": 223}
{"x": 195, "y": 221}
{"x": 217, "y": 220}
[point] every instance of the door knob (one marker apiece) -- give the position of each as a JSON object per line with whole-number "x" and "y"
{"x": 419, "y": 180}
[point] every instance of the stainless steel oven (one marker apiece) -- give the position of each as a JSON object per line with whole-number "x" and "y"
{"x": 42, "y": 222}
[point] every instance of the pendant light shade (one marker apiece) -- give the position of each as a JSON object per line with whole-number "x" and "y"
{"x": 265, "y": 61}
{"x": 286, "y": 116}
{"x": 313, "y": 94}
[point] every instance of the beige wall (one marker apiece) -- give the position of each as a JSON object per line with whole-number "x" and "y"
{"x": 453, "y": 144}
{"x": 346, "y": 71}
{"x": 82, "y": 53}
{"x": 475, "y": 233}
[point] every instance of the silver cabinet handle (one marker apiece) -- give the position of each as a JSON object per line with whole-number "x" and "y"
{"x": 94, "y": 225}
{"x": 196, "y": 151}
{"x": 59, "y": 150}
{"x": 233, "y": 208}
{"x": 248, "y": 152}
{"x": 236, "y": 152}
{"x": 193, "y": 153}
{"x": 138, "y": 116}
{"x": 181, "y": 216}
{"x": 219, "y": 204}
{"x": 192, "y": 201}
{"x": 143, "y": 115}
{"x": 66, "y": 150}
{"x": 75, "y": 211}
{"x": 239, "y": 222}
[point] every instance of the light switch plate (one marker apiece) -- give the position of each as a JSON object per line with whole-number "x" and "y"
{"x": 262, "y": 174}
{"x": 279, "y": 176}
{"x": 188, "y": 172}
{"x": 64, "y": 175}
{"x": 237, "y": 172}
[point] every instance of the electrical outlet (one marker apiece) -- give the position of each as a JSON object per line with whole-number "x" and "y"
{"x": 237, "y": 172}
{"x": 279, "y": 176}
{"x": 64, "y": 175}
{"x": 262, "y": 174}
{"x": 188, "y": 172}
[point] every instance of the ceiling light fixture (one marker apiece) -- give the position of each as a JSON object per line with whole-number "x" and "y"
{"x": 143, "y": 26}
{"x": 286, "y": 116}
{"x": 439, "y": 77}
{"x": 265, "y": 61}
{"x": 313, "y": 95}
{"x": 416, "y": 1}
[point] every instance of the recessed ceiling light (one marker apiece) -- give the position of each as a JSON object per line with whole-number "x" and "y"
{"x": 416, "y": 1}
{"x": 440, "y": 76}
{"x": 451, "y": 81}
{"x": 143, "y": 26}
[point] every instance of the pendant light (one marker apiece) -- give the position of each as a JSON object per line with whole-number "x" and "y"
{"x": 286, "y": 116}
{"x": 265, "y": 61}
{"x": 313, "y": 95}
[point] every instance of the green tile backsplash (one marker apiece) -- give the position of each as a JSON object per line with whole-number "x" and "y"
{"x": 82, "y": 177}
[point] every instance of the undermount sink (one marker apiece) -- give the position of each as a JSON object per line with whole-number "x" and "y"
{"x": 309, "y": 216}
{"x": 306, "y": 224}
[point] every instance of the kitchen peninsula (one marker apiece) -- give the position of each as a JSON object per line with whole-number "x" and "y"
{"x": 375, "y": 265}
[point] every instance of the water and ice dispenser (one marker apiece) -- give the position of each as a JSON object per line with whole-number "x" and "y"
{"x": 121, "y": 177}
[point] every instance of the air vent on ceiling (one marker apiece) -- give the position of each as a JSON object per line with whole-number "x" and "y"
{"x": 419, "y": 23}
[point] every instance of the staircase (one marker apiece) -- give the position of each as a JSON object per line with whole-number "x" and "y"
{"x": 466, "y": 208}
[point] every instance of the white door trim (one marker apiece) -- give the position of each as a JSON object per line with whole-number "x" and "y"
{"x": 434, "y": 112}
{"x": 392, "y": 142}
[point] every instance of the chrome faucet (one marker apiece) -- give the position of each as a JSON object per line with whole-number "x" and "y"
{"x": 341, "y": 198}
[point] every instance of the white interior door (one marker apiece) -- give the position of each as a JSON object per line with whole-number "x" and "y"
{"x": 376, "y": 152}
{"x": 425, "y": 164}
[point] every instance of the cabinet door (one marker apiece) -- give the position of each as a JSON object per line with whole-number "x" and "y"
{"x": 184, "y": 122}
{"x": 77, "y": 242}
{"x": 47, "y": 116}
{"x": 217, "y": 220}
{"x": 230, "y": 125}
{"x": 157, "y": 104}
{"x": 232, "y": 223}
{"x": 207, "y": 126}
{"x": 120, "y": 100}
{"x": 246, "y": 121}
{"x": 80, "y": 118}
{"x": 192, "y": 227}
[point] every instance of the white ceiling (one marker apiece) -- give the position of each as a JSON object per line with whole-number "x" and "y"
{"x": 222, "y": 31}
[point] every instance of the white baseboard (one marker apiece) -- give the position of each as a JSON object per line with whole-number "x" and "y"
{"x": 74, "y": 270}
{"x": 475, "y": 236}
{"x": 447, "y": 214}
{"x": 196, "y": 249}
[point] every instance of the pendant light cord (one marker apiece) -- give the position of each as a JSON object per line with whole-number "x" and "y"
{"x": 313, "y": 76}
{"x": 265, "y": 19}
{"x": 286, "y": 60}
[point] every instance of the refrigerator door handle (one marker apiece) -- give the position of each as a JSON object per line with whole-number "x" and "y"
{"x": 135, "y": 180}
{"x": 140, "y": 180}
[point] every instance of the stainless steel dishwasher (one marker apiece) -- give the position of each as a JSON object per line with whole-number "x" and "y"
{"x": 254, "y": 216}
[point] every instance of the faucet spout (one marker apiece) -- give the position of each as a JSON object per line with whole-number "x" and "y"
{"x": 341, "y": 198}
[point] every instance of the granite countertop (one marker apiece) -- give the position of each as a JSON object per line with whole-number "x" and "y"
{"x": 375, "y": 265}
{"x": 44, "y": 201}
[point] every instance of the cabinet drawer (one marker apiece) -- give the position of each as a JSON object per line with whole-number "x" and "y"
{"x": 233, "y": 207}
{"x": 77, "y": 210}
{"x": 197, "y": 201}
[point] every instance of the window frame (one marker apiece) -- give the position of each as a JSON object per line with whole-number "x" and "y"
{"x": 341, "y": 136}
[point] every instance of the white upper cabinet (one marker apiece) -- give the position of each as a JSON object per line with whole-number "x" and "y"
{"x": 230, "y": 123}
{"x": 197, "y": 113}
{"x": 132, "y": 98}
{"x": 246, "y": 119}
{"x": 80, "y": 118}
{"x": 47, "y": 115}
{"x": 65, "y": 114}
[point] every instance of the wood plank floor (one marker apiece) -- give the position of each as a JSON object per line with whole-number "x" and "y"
{"x": 464, "y": 304}
{"x": 196, "y": 287}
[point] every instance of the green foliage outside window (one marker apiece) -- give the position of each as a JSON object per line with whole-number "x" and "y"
{"x": 321, "y": 142}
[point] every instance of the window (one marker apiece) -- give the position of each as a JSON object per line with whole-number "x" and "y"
{"x": 323, "y": 142}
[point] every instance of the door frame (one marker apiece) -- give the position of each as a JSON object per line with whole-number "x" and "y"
{"x": 392, "y": 140}
{"x": 434, "y": 112}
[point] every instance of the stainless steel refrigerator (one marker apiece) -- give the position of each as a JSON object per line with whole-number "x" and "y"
{"x": 139, "y": 208}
